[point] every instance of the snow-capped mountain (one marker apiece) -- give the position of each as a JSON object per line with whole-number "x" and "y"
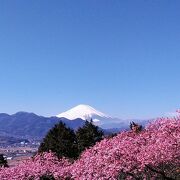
{"x": 87, "y": 112}
{"x": 84, "y": 112}
{"x": 103, "y": 120}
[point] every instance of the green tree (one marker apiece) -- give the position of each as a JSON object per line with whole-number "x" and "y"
{"x": 135, "y": 127}
{"x": 3, "y": 161}
{"x": 61, "y": 140}
{"x": 88, "y": 135}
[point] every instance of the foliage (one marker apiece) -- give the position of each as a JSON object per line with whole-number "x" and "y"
{"x": 47, "y": 177}
{"x": 3, "y": 161}
{"x": 135, "y": 127}
{"x": 88, "y": 135}
{"x": 60, "y": 140}
{"x": 152, "y": 153}
{"x": 112, "y": 135}
{"x": 134, "y": 154}
{"x": 37, "y": 167}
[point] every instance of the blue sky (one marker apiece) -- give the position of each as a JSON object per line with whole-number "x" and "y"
{"x": 121, "y": 57}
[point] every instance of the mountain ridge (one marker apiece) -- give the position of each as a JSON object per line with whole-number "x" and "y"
{"x": 25, "y": 124}
{"x": 30, "y": 125}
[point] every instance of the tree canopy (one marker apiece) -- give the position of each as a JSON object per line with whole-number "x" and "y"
{"x": 152, "y": 153}
{"x": 61, "y": 140}
{"x": 3, "y": 161}
{"x": 88, "y": 135}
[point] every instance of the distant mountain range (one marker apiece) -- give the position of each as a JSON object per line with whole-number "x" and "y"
{"x": 30, "y": 125}
{"x": 103, "y": 120}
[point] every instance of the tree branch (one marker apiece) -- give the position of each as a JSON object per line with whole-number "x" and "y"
{"x": 159, "y": 172}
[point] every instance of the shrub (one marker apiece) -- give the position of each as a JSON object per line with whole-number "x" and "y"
{"x": 3, "y": 161}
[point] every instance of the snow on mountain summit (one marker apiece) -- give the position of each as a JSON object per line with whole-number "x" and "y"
{"x": 84, "y": 112}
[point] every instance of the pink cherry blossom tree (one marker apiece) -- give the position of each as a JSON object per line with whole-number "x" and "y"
{"x": 153, "y": 153}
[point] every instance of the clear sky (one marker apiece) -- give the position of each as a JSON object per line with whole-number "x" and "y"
{"x": 119, "y": 56}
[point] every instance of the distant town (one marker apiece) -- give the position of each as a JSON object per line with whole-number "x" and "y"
{"x": 17, "y": 152}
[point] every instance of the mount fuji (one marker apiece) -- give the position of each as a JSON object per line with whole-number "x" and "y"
{"x": 86, "y": 112}
{"x": 30, "y": 125}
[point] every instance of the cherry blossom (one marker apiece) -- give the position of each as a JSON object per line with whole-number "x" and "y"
{"x": 152, "y": 153}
